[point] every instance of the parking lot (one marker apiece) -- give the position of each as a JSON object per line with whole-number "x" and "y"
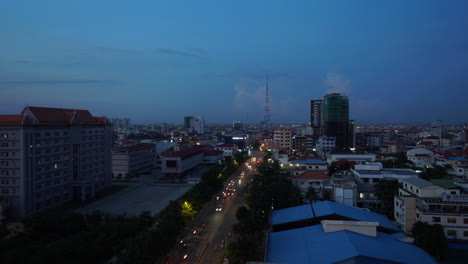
{"x": 142, "y": 195}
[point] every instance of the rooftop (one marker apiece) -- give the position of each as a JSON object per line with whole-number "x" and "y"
{"x": 312, "y": 175}
{"x": 186, "y": 153}
{"x": 445, "y": 183}
{"x": 309, "y": 162}
{"x": 312, "y": 245}
{"x": 325, "y": 208}
{"x": 12, "y": 119}
{"x": 418, "y": 182}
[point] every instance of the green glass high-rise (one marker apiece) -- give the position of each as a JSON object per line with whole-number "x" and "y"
{"x": 336, "y": 119}
{"x": 187, "y": 121}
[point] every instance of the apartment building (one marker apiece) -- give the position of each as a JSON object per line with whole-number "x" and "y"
{"x": 425, "y": 201}
{"x": 49, "y": 156}
{"x": 283, "y": 138}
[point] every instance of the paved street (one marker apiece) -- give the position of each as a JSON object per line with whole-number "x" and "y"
{"x": 212, "y": 228}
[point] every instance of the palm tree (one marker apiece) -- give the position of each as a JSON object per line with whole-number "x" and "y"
{"x": 311, "y": 195}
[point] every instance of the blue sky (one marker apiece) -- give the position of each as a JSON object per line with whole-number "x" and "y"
{"x": 157, "y": 61}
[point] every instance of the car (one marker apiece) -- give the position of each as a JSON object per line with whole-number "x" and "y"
{"x": 219, "y": 209}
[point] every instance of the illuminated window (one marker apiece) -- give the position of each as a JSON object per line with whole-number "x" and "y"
{"x": 436, "y": 219}
{"x": 452, "y": 220}
{"x": 56, "y": 166}
{"x": 451, "y": 232}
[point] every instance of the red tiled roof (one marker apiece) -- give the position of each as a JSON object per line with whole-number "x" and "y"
{"x": 313, "y": 175}
{"x": 212, "y": 152}
{"x": 101, "y": 119}
{"x": 11, "y": 119}
{"x": 48, "y": 115}
{"x": 186, "y": 153}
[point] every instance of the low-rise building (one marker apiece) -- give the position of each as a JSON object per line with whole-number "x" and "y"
{"x": 357, "y": 157}
{"x": 178, "y": 162}
{"x": 132, "y": 160}
{"x": 229, "y": 150}
{"x": 324, "y": 145}
{"x": 328, "y": 232}
{"x": 315, "y": 179}
{"x": 392, "y": 147}
{"x": 344, "y": 188}
{"x": 212, "y": 156}
{"x": 299, "y": 166}
{"x": 369, "y": 174}
{"x": 420, "y": 157}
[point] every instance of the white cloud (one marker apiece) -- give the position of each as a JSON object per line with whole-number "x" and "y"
{"x": 336, "y": 83}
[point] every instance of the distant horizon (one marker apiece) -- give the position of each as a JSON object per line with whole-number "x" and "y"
{"x": 398, "y": 61}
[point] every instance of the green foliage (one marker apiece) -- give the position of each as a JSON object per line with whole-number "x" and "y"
{"x": 332, "y": 168}
{"x": 400, "y": 161}
{"x": 311, "y": 195}
{"x": 271, "y": 189}
{"x": 256, "y": 145}
{"x": 187, "y": 211}
{"x": 438, "y": 172}
{"x": 385, "y": 191}
{"x": 59, "y": 237}
{"x": 327, "y": 195}
{"x": 431, "y": 238}
{"x": 72, "y": 238}
{"x": 250, "y": 224}
{"x": 241, "y": 251}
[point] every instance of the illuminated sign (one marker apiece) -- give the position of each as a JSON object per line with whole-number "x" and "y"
{"x": 237, "y": 138}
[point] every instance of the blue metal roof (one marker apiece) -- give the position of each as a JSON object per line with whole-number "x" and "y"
{"x": 313, "y": 245}
{"x": 324, "y": 208}
{"x": 310, "y": 162}
{"x": 458, "y": 158}
{"x": 291, "y": 214}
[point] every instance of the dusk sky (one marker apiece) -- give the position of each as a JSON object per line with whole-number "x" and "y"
{"x": 155, "y": 61}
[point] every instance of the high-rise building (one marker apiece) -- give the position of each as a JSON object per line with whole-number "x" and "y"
{"x": 336, "y": 119}
{"x": 187, "y": 122}
{"x": 197, "y": 125}
{"x": 49, "y": 156}
{"x": 316, "y": 116}
{"x": 164, "y": 128}
{"x": 237, "y": 125}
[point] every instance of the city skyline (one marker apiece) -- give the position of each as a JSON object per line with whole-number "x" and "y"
{"x": 158, "y": 62}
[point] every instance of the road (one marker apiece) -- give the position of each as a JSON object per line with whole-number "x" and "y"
{"x": 212, "y": 228}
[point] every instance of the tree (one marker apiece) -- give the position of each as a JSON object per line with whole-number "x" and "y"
{"x": 311, "y": 195}
{"x": 385, "y": 191}
{"x": 256, "y": 145}
{"x": 187, "y": 211}
{"x": 438, "y": 172}
{"x": 332, "y": 169}
{"x": 431, "y": 238}
{"x": 327, "y": 195}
